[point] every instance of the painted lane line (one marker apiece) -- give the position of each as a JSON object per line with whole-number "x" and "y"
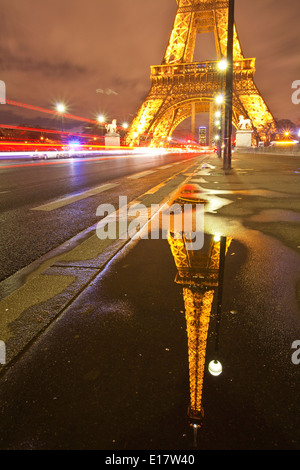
{"x": 156, "y": 188}
{"x": 70, "y": 199}
{"x": 140, "y": 175}
{"x": 165, "y": 167}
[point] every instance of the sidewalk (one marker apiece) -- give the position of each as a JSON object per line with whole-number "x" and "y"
{"x": 112, "y": 372}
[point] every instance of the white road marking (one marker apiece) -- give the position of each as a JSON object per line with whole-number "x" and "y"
{"x": 140, "y": 175}
{"x": 70, "y": 199}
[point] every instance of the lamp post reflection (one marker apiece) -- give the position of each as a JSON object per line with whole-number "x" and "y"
{"x": 200, "y": 273}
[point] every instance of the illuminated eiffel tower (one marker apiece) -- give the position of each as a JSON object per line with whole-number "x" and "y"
{"x": 199, "y": 275}
{"x": 182, "y": 88}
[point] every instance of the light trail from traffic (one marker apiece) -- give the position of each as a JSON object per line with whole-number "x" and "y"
{"x": 105, "y": 155}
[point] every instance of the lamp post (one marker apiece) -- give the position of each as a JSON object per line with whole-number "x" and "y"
{"x": 101, "y": 120}
{"x": 215, "y": 367}
{"x": 222, "y": 66}
{"x": 60, "y": 108}
{"x": 229, "y": 90}
{"x": 219, "y": 100}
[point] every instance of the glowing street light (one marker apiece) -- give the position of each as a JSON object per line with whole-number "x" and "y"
{"x": 219, "y": 99}
{"x": 222, "y": 65}
{"x": 60, "y": 108}
{"x": 228, "y": 112}
{"x": 215, "y": 367}
{"x": 100, "y": 118}
{"x": 125, "y": 125}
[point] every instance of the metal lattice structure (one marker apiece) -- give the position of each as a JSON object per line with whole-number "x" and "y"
{"x": 198, "y": 273}
{"x": 181, "y": 87}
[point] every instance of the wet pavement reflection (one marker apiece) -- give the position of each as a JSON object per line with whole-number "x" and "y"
{"x": 200, "y": 273}
{"x": 169, "y": 347}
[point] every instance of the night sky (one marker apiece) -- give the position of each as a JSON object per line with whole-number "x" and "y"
{"x": 66, "y": 50}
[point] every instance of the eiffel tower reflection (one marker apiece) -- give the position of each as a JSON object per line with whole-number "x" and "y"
{"x": 200, "y": 273}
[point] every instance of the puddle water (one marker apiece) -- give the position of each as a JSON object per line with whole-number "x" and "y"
{"x": 200, "y": 274}
{"x": 276, "y": 215}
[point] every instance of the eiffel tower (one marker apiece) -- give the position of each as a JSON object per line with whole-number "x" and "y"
{"x": 182, "y": 88}
{"x": 199, "y": 275}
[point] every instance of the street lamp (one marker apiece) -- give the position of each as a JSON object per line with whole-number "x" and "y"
{"x": 60, "y": 108}
{"x": 219, "y": 100}
{"x": 229, "y": 90}
{"x": 215, "y": 366}
{"x": 101, "y": 120}
{"x": 222, "y": 65}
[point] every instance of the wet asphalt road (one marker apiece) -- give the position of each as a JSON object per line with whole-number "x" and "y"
{"x": 27, "y": 234}
{"x": 111, "y": 373}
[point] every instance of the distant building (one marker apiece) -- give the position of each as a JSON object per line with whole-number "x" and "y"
{"x": 202, "y": 135}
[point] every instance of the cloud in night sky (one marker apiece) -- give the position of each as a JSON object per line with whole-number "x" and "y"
{"x": 52, "y": 50}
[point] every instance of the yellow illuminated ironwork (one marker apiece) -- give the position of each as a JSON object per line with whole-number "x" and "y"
{"x": 179, "y": 83}
{"x": 198, "y": 273}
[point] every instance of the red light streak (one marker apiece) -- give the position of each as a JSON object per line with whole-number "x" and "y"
{"x": 54, "y": 112}
{"x": 49, "y": 111}
{"x": 49, "y": 131}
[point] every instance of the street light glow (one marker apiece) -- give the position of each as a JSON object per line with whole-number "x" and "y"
{"x": 215, "y": 368}
{"x": 219, "y": 99}
{"x": 60, "y": 107}
{"x": 222, "y": 65}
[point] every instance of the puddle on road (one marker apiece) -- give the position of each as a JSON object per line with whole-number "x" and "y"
{"x": 275, "y": 215}
{"x": 200, "y": 273}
